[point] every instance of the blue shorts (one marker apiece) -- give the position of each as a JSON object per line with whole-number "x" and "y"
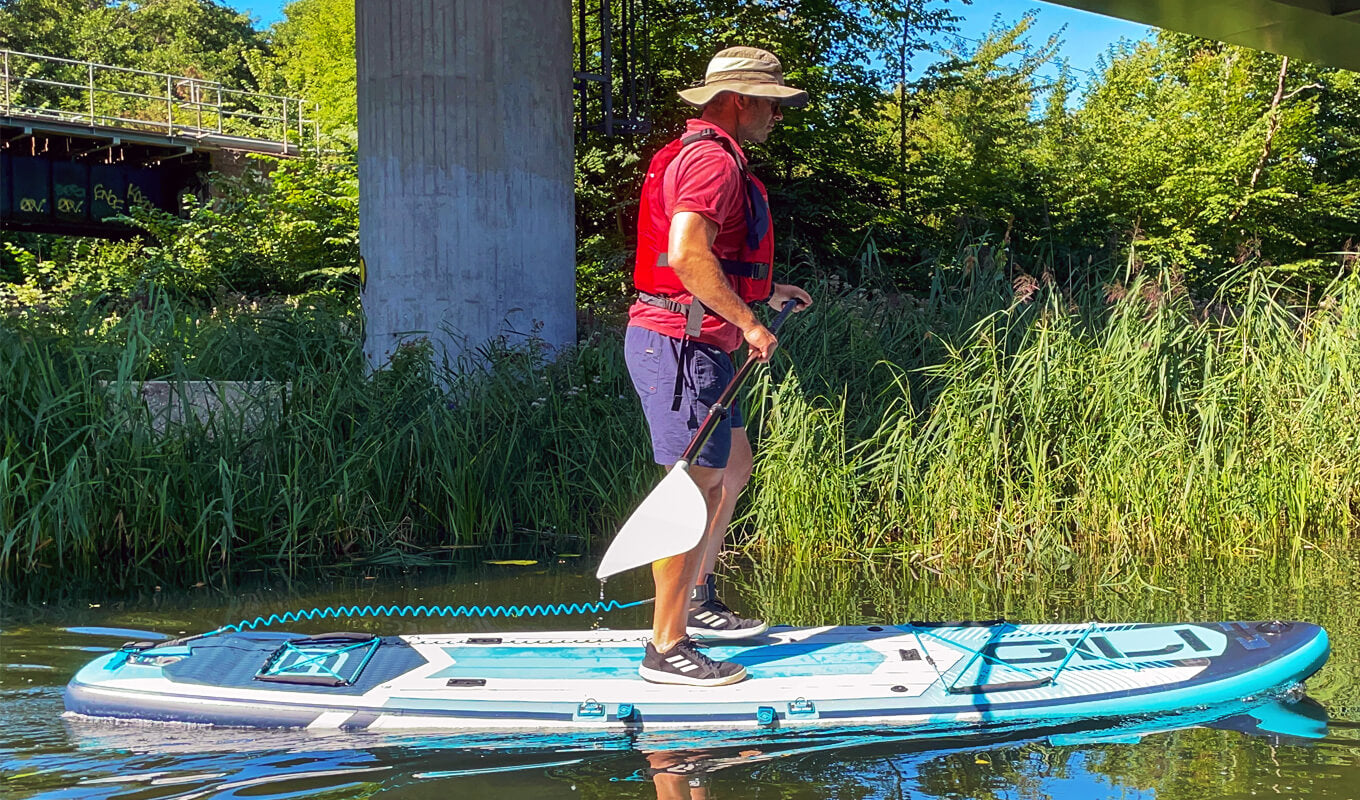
{"x": 653, "y": 360}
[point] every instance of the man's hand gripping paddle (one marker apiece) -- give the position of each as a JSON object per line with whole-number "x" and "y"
{"x": 673, "y": 518}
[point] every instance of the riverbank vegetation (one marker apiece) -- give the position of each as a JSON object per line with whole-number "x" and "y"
{"x": 1057, "y": 324}
{"x": 1018, "y": 429}
{"x": 1043, "y": 426}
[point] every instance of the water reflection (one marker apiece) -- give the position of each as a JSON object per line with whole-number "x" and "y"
{"x": 187, "y": 763}
{"x": 686, "y": 774}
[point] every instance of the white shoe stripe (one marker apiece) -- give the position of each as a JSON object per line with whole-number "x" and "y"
{"x": 689, "y": 667}
{"x": 656, "y": 676}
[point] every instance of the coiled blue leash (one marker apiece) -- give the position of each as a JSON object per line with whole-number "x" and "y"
{"x": 554, "y": 609}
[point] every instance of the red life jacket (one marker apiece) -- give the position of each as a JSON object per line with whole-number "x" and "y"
{"x": 751, "y": 274}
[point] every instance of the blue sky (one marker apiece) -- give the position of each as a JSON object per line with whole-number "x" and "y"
{"x": 265, "y": 12}
{"x": 1086, "y": 36}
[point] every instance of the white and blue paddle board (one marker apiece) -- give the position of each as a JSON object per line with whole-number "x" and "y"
{"x": 920, "y": 674}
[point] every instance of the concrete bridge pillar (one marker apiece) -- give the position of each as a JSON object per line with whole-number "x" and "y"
{"x": 466, "y": 199}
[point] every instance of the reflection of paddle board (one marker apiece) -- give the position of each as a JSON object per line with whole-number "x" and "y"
{"x": 929, "y": 675}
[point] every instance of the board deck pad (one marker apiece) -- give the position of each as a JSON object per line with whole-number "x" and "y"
{"x": 915, "y": 675}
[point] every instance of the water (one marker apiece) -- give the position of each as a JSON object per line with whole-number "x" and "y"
{"x": 43, "y": 754}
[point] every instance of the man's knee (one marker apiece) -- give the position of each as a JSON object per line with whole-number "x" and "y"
{"x": 738, "y": 472}
{"x": 735, "y": 477}
{"x": 710, "y": 481}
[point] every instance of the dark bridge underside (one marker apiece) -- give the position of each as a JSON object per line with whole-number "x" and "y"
{"x": 1322, "y": 31}
{"x": 72, "y": 181}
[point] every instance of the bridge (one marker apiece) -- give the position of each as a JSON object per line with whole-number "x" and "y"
{"x": 81, "y": 142}
{"x": 1323, "y": 31}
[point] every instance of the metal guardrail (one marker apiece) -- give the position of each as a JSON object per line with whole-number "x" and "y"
{"x": 102, "y": 95}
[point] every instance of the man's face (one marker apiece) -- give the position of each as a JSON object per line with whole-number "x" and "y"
{"x": 758, "y": 116}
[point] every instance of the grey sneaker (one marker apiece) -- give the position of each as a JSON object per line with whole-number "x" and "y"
{"x": 710, "y": 618}
{"x": 685, "y": 665}
{"x": 713, "y": 620}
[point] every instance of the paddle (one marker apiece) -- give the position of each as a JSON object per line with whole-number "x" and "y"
{"x": 673, "y": 518}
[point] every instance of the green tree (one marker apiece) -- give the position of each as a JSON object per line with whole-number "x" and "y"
{"x": 1211, "y": 156}
{"x": 972, "y": 163}
{"x": 314, "y": 47}
{"x": 198, "y": 38}
{"x": 43, "y": 26}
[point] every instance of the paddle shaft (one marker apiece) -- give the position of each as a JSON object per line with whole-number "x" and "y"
{"x": 719, "y": 409}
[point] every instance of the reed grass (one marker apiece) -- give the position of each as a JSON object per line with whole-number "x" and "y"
{"x": 509, "y": 451}
{"x": 1001, "y": 420}
{"x": 1065, "y": 427}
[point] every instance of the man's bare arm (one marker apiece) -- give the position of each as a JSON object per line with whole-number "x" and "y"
{"x": 690, "y": 253}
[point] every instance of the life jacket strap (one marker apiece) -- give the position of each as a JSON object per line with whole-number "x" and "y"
{"x": 694, "y": 312}
{"x": 708, "y": 134}
{"x": 755, "y": 270}
{"x": 694, "y": 321}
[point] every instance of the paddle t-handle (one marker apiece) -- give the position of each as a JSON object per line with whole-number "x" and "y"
{"x": 719, "y": 408}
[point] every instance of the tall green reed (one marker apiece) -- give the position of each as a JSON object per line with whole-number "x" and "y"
{"x": 510, "y": 450}
{"x": 1043, "y": 428}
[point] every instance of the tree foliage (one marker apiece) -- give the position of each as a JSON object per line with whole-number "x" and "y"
{"x": 197, "y": 38}
{"x": 314, "y": 48}
{"x": 973, "y": 161}
{"x": 1209, "y": 156}
{"x": 1200, "y": 157}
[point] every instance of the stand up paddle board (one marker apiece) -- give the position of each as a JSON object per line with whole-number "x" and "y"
{"x": 920, "y": 674}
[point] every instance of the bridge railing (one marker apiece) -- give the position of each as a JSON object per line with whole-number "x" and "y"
{"x": 102, "y": 95}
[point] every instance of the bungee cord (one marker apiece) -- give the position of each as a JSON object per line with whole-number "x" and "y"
{"x": 337, "y": 612}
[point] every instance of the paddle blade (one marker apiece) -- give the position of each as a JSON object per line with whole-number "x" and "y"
{"x": 669, "y": 522}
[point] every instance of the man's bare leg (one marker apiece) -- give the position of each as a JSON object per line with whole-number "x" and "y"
{"x": 734, "y": 479}
{"x": 675, "y": 576}
{"x": 710, "y": 618}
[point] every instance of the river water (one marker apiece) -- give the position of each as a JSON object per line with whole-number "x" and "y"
{"x": 44, "y": 754}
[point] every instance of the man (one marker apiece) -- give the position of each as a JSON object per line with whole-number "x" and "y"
{"x": 705, "y": 254}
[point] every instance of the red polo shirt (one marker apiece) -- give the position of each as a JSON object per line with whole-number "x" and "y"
{"x": 703, "y": 179}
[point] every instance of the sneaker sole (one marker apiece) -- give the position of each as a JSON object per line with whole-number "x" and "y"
{"x": 657, "y": 676}
{"x": 737, "y": 633}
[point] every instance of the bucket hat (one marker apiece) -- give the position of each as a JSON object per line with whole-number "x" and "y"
{"x": 744, "y": 70}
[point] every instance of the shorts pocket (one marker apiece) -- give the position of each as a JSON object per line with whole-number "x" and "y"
{"x": 643, "y": 361}
{"x": 709, "y": 375}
